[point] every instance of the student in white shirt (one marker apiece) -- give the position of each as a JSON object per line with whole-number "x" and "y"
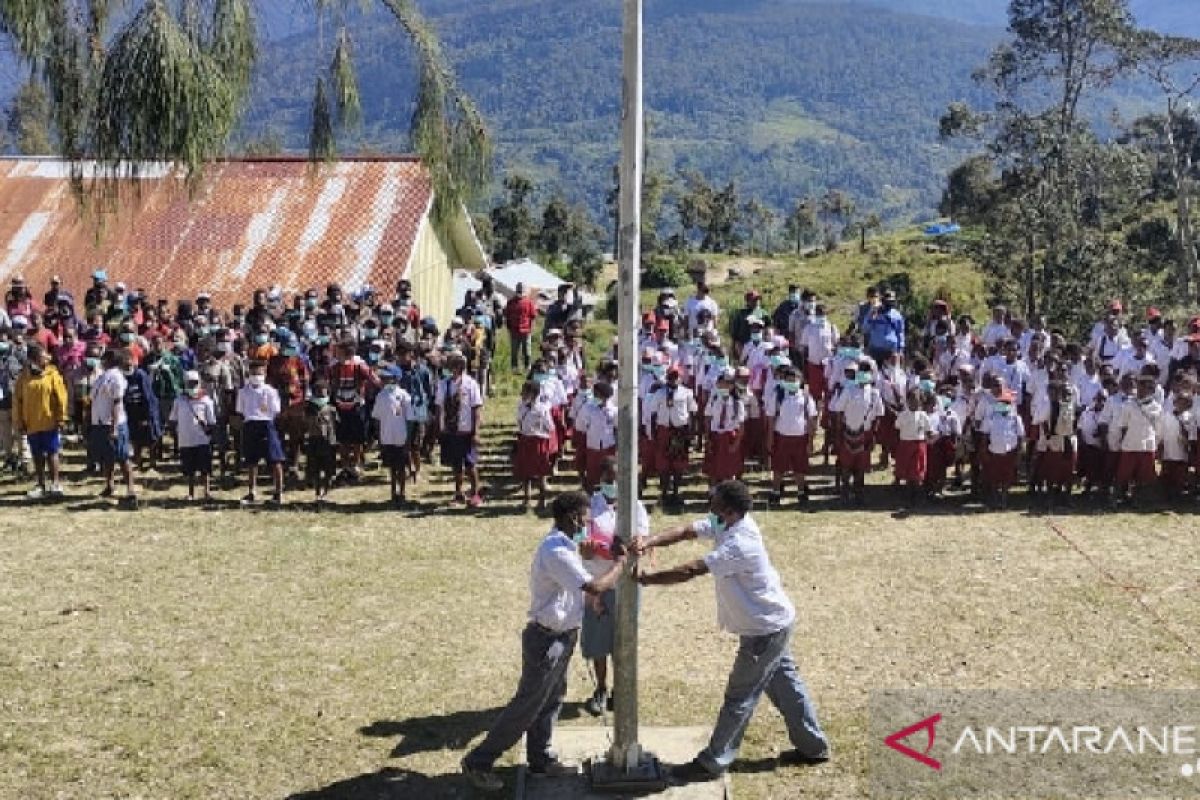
{"x": 997, "y": 329}
{"x": 725, "y": 416}
{"x": 1090, "y": 467}
{"x": 946, "y": 428}
{"x": 817, "y": 344}
{"x": 459, "y": 404}
{"x": 671, "y": 411}
{"x": 195, "y": 417}
{"x": 392, "y": 409}
{"x": 791, "y": 415}
{"x": 108, "y": 435}
{"x": 1176, "y": 431}
{"x": 1054, "y": 419}
{"x": 857, "y": 404}
{"x": 1137, "y": 434}
{"x": 751, "y": 604}
{"x": 1005, "y": 433}
{"x": 258, "y": 404}
{"x": 599, "y": 422}
{"x": 913, "y": 430}
{"x": 558, "y": 584}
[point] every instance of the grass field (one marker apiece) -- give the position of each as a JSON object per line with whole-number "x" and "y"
{"x": 182, "y": 653}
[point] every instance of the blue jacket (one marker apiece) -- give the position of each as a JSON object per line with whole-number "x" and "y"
{"x": 885, "y": 330}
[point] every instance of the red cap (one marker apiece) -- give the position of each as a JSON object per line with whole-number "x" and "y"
{"x": 753, "y": 295}
{"x": 1116, "y": 306}
{"x": 1153, "y": 313}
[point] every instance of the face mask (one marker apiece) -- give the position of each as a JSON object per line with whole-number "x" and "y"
{"x": 289, "y": 351}
{"x": 193, "y": 391}
{"x": 1003, "y": 409}
{"x": 257, "y": 380}
{"x": 716, "y": 523}
{"x": 481, "y": 321}
{"x": 446, "y": 373}
{"x": 756, "y": 337}
{"x": 863, "y": 378}
{"x": 720, "y": 362}
{"x": 386, "y": 319}
{"x": 791, "y": 387}
{"x": 320, "y": 401}
{"x": 722, "y": 393}
{"x": 818, "y": 320}
{"x": 5, "y": 348}
{"x": 776, "y": 361}
{"x": 811, "y": 306}
{"x": 658, "y": 371}
{"x": 127, "y": 338}
{"x": 795, "y": 298}
{"x": 91, "y": 363}
{"x": 540, "y": 377}
{"x": 609, "y": 490}
{"x": 945, "y": 402}
{"x": 261, "y": 338}
{"x": 927, "y": 386}
{"x": 310, "y": 303}
{"x": 373, "y": 357}
{"x": 224, "y": 348}
{"x": 323, "y": 340}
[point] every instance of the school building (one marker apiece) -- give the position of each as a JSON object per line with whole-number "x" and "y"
{"x": 248, "y": 224}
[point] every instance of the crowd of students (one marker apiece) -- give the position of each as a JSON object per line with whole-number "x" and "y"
{"x": 318, "y": 379}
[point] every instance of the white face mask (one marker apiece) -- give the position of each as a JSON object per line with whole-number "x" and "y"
{"x": 258, "y": 380}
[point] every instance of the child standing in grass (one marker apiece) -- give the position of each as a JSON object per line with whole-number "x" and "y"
{"x": 725, "y": 415}
{"x": 1005, "y": 433}
{"x": 1175, "y": 430}
{"x": 195, "y": 416}
{"x": 321, "y": 444}
{"x": 1137, "y": 437}
{"x": 913, "y": 430}
{"x": 391, "y": 410}
{"x": 259, "y": 406}
{"x": 535, "y": 443}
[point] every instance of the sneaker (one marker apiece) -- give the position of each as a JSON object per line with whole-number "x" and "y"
{"x": 596, "y": 704}
{"x": 795, "y": 758}
{"x": 56, "y": 491}
{"x": 553, "y": 769}
{"x": 485, "y": 780}
{"x": 692, "y": 772}
{"x": 249, "y": 499}
{"x": 475, "y": 502}
{"x": 36, "y": 493}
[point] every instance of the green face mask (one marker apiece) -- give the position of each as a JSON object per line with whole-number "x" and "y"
{"x": 716, "y": 523}
{"x": 609, "y": 490}
{"x": 320, "y": 401}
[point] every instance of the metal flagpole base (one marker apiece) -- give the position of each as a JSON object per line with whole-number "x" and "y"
{"x": 648, "y": 775}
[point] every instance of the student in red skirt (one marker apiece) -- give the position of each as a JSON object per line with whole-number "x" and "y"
{"x": 535, "y": 444}
{"x": 598, "y": 419}
{"x": 791, "y": 415}
{"x": 856, "y": 405}
{"x": 724, "y": 417}
{"x": 654, "y": 375}
{"x": 1054, "y": 467}
{"x": 943, "y": 442}
{"x": 913, "y": 430}
{"x": 893, "y": 387}
{"x": 754, "y": 432}
{"x": 672, "y": 409}
{"x": 1137, "y": 432}
{"x": 583, "y": 395}
{"x": 1005, "y": 433}
{"x": 1175, "y": 429}
{"x": 1089, "y": 468}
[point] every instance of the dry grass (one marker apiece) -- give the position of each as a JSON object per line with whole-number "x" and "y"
{"x": 178, "y": 653}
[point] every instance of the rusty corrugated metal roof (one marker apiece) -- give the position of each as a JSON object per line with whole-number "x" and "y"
{"x": 252, "y": 224}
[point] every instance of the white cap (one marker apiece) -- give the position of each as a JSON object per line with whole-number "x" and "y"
{"x": 191, "y": 376}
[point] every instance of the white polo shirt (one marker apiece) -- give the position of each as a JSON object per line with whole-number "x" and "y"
{"x": 259, "y": 404}
{"x": 533, "y": 419}
{"x": 598, "y": 423}
{"x": 1138, "y": 422}
{"x": 859, "y": 406}
{"x": 556, "y": 582}
{"x": 107, "y": 391}
{"x": 678, "y": 412}
{"x": 913, "y": 426}
{"x": 792, "y": 415}
{"x": 725, "y": 414}
{"x": 750, "y": 596}
{"x": 391, "y": 409}
{"x": 1004, "y": 432}
{"x": 469, "y": 399}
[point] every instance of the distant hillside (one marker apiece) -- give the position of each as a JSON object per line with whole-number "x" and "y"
{"x": 787, "y": 98}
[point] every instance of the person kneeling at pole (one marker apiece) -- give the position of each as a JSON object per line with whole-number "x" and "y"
{"x": 751, "y": 603}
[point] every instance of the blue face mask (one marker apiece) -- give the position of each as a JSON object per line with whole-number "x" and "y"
{"x": 756, "y": 337}
{"x": 609, "y": 490}
{"x": 863, "y": 378}
{"x": 1003, "y": 409}
{"x": 716, "y": 523}
{"x": 927, "y": 386}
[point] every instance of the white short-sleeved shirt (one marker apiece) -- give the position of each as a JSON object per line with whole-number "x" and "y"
{"x": 190, "y": 415}
{"x": 678, "y": 413}
{"x": 556, "y": 582}
{"x": 258, "y": 404}
{"x": 818, "y": 341}
{"x": 913, "y": 426}
{"x": 598, "y": 424}
{"x": 792, "y": 415}
{"x": 602, "y": 529}
{"x": 391, "y": 409}
{"x": 1004, "y": 432}
{"x": 109, "y": 391}
{"x": 534, "y": 419}
{"x": 1137, "y": 425}
{"x": 750, "y": 596}
{"x": 994, "y": 333}
{"x": 859, "y": 406}
{"x": 1089, "y": 427}
{"x": 1173, "y": 431}
{"x": 725, "y": 414}
{"x": 470, "y": 398}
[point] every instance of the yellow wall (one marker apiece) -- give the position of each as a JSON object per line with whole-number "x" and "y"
{"x": 432, "y": 275}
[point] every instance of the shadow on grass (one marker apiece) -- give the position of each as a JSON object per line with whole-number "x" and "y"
{"x": 453, "y": 731}
{"x": 391, "y": 783}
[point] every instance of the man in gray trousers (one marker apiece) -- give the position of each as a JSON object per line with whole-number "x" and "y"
{"x": 558, "y": 582}
{"x": 751, "y": 603}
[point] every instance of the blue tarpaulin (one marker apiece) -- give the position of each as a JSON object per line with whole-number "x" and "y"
{"x": 943, "y": 229}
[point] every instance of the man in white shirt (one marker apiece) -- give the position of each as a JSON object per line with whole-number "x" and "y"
{"x": 459, "y": 403}
{"x": 997, "y": 329}
{"x": 392, "y": 408}
{"x": 558, "y": 582}
{"x": 258, "y": 403}
{"x": 751, "y": 604}
{"x": 700, "y": 301}
{"x": 108, "y": 436}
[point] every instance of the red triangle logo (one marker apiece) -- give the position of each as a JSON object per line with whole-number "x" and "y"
{"x": 929, "y": 725}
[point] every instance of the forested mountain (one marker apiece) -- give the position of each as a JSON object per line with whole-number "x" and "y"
{"x": 787, "y": 98}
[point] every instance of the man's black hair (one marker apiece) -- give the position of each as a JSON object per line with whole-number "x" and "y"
{"x": 733, "y": 496}
{"x": 567, "y": 503}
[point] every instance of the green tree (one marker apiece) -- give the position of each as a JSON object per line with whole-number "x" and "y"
{"x": 513, "y": 228}
{"x": 171, "y": 81}
{"x": 836, "y": 210}
{"x": 29, "y": 120}
{"x": 582, "y": 247}
{"x": 556, "y": 220}
{"x": 801, "y": 224}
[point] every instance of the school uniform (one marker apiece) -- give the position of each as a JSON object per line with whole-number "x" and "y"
{"x": 1112, "y": 443}
{"x": 946, "y": 426}
{"x": 578, "y": 440}
{"x": 554, "y": 394}
{"x": 792, "y": 416}
{"x": 599, "y": 424}
{"x": 817, "y": 341}
{"x": 194, "y": 419}
{"x": 258, "y": 407}
{"x": 1173, "y": 434}
{"x": 1090, "y": 464}
{"x": 1004, "y": 433}
{"x": 391, "y": 410}
{"x": 535, "y": 441}
{"x": 1137, "y": 431}
{"x": 671, "y": 412}
{"x": 723, "y": 457}
{"x": 598, "y": 633}
{"x": 912, "y": 455}
{"x": 1056, "y": 443}
{"x": 754, "y": 431}
{"x": 893, "y": 386}
{"x": 456, "y": 400}
{"x": 859, "y": 406}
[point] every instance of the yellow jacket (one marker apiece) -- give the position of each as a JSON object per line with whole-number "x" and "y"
{"x": 39, "y": 401}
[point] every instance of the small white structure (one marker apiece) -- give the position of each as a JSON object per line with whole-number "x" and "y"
{"x": 541, "y": 282}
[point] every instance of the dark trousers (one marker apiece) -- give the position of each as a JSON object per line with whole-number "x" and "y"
{"x": 520, "y": 347}
{"x": 531, "y": 713}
